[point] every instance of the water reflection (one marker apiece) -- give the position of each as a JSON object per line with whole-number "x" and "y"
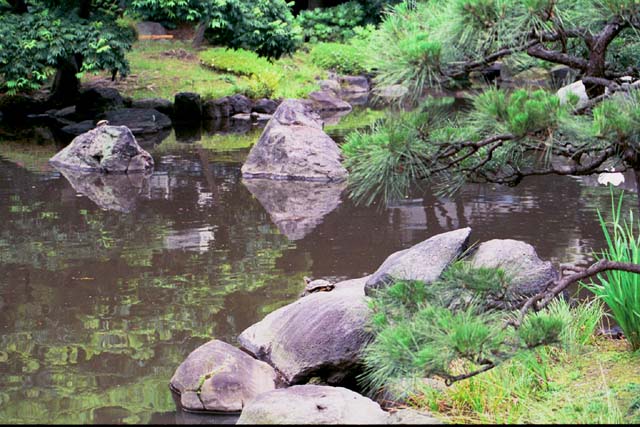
{"x": 99, "y": 307}
{"x": 110, "y": 192}
{"x": 296, "y": 207}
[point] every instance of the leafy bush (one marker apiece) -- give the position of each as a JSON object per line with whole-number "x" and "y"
{"x": 168, "y": 12}
{"x": 263, "y": 26}
{"x": 618, "y": 289}
{"x": 342, "y": 58}
{"x": 334, "y": 24}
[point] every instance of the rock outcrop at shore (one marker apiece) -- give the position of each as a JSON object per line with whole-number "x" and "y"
{"x": 319, "y": 335}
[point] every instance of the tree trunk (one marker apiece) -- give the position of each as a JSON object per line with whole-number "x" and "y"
{"x": 66, "y": 85}
{"x": 19, "y": 6}
{"x": 198, "y": 39}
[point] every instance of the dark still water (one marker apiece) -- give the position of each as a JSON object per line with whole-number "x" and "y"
{"x": 107, "y": 284}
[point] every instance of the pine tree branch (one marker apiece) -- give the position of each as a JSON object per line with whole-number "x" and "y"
{"x": 555, "y": 287}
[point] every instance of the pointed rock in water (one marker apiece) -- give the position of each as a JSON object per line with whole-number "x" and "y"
{"x": 527, "y": 273}
{"x": 319, "y": 335}
{"x": 107, "y": 149}
{"x": 218, "y": 377}
{"x": 293, "y": 146}
{"x": 312, "y": 404}
{"x": 296, "y": 207}
{"x": 425, "y": 261}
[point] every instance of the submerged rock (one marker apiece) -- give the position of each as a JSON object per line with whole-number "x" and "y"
{"x": 76, "y": 129}
{"x": 425, "y": 261}
{"x": 218, "y": 377}
{"x": 293, "y": 146}
{"x": 526, "y": 272}
{"x": 140, "y": 121}
{"x": 312, "y": 404}
{"x": 111, "y": 192}
{"x": 319, "y": 335}
{"x": 296, "y": 207}
{"x": 327, "y": 101}
{"x": 160, "y": 104}
{"x": 107, "y": 149}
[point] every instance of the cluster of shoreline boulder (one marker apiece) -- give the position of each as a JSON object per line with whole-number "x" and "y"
{"x": 300, "y": 363}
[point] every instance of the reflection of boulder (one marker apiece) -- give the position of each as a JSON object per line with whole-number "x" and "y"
{"x": 110, "y": 192}
{"x": 296, "y": 207}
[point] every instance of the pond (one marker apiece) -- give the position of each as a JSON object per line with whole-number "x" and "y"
{"x": 104, "y": 290}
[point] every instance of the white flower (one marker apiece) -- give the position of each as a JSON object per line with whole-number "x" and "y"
{"x": 614, "y": 179}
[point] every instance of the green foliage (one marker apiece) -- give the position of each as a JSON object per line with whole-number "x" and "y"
{"x": 618, "y": 289}
{"x": 448, "y": 328}
{"x": 263, "y": 26}
{"x": 265, "y": 78}
{"x": 619, "y": 119}
{"x": 333, "y": 24}
{"x": 236, "y": 61}
{"x": 342, "y": 58}
{"x": 521, "y": 113}
{"x": 580, "y": 321}
{"x": 540, "y": 328}
{"x": 34, "y": 44}
{"x": 168, "y": 12}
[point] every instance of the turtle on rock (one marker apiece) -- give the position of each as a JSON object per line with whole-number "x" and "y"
{"x": 318, "y": 285}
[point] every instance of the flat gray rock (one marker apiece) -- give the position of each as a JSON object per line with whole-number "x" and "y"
{"x": 218, "y": 377}
{"x": 105, "y": 149}
{"x": 527, "y": 273}
{"x": 296, "y": 207}
{"x": 141, "y": 121}
{"x": 293, "y": 146}
{"x": 319, "y": 335}
{"x": 425, "y": 261}
{"x": 312, "y": 404}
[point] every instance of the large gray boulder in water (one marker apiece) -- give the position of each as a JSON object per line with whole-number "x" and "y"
{"x": 313, "y": 404}
{"x": 319, "y": 335}
{"x": 527, "y": 274}
{"x": 293, "y": 146}
{"x": 296, "y": 207}
{"x": 425, "y": 261}
{"x": 106, "y": 149}
{"x": 218, "y": 377}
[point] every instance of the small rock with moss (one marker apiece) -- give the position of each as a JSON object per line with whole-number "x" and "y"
{"x": 218, "y": 377}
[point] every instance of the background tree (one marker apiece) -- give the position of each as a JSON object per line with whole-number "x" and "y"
{"x": 41, "y": 39}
